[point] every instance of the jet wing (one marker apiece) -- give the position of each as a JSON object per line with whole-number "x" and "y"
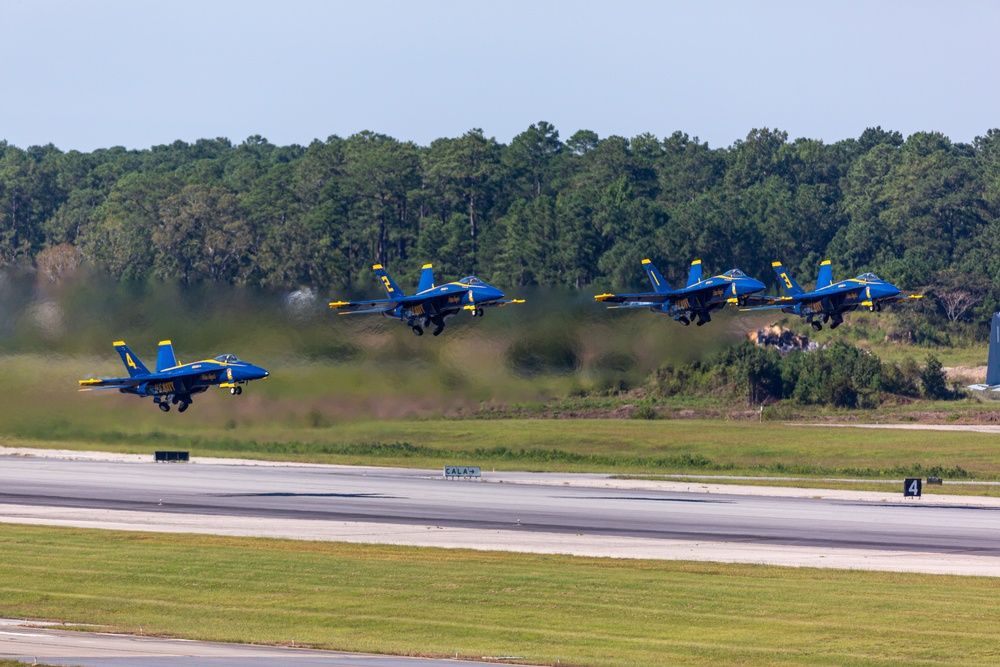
{"x": 488, "y": 304}
{"x": 93, "y": 384}
{"x": 767, "y": 302}
{"x": 639, "y": 300}
{"x": 373, "y": 306}
{"x": 893, "y": 299}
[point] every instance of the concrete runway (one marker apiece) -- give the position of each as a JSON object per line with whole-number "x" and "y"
{"x": 26, "y": 642}
{"x": 588, "y": 515}
{"x": 583, "y": 514}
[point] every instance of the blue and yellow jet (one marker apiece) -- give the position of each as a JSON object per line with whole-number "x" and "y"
{"x": 173, "y": 383}
{"x": 431, "y": 304}
{"x": 830, "y": 300}
{"x": 696, "y": 301}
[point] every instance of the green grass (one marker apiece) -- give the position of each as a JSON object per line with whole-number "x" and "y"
{"x": 584, "y": 445}
{"x": 364, "y": 414}
{"x": 546, "y": 608}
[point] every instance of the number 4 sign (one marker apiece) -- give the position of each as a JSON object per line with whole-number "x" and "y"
{"x": 912, "y": 487}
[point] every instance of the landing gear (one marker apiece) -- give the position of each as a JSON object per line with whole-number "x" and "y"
{"x": 164, "y": 406}
{"x": 835, "y": 324}
{"x": 236, "y": 391}
{"x": 438, "y": 325}
{"x": 683, "y": 320}
{"x": 876, "y": 308}
{"x": 438, "y": 329}
{"x": 418, "y": 330}
{"x": 816, "y": 326}
{"x": 183, "y": 406}
{"x": 700, "y": 322}
{"x": 478, "y": 312}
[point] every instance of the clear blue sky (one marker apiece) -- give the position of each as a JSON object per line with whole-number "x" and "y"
{"x": 87, "y": 74}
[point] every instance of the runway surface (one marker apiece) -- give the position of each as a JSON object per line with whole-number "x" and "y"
{"x": 551, "y": 513}
{"x": 587, "y": 515}
{"x": 25, "y": 642}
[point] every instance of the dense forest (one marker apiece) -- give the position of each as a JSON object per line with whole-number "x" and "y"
{"x": 922, "y": 211}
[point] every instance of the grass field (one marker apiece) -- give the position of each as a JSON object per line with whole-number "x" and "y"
{"x": 545, "y": 608}
{"x": 579, "y": 445}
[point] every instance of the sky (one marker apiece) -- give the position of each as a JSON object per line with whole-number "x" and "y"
{"x": 90, "y": 74}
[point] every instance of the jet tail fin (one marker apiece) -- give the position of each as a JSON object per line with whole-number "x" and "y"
{"x": 791, "y": 287}
{"x": 694, "y": 274}
{"x": 426, "y": 277}
{"x": 659, "y": 284}
{"x": 993, "y": 360}
{"x": 391, "y": 288}
{"x": 165, "y": 356}
{"x": 132, "y": 363}
{"x": 825, "y": 277}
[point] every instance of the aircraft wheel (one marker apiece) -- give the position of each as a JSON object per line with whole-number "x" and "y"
{"x": 816, "y": 326}
{"x": 237, "y": 390}
{"x": 232, "y": 390}
{"x": 438, "y": 330}
{"x": 683, "y": 320}
{"x": 834, "y": 325}
{"x": 699, "y": 322}
{"x": 164, "y": 406}
{"x": 878, "y": 307}
{"x": 183, "y": 406}
{"x": 418, "y": 330}
{"x": 479, "y": 312}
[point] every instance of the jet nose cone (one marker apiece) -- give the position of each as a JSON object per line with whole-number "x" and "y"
{"x": 490, "y": 294}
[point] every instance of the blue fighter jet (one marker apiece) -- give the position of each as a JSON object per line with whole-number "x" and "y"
{"x": 698, "y": 300}
{"x": 431, "y": 304}
{"x": 173, "y": 383}
{"x": 830, "y": 300}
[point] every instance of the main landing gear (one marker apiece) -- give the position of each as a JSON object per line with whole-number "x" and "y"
{"x": 438, "y": 322}
{"x": 165, "y": 403}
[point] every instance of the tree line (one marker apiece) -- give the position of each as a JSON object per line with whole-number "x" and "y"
{"x": 921, "y": 211}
